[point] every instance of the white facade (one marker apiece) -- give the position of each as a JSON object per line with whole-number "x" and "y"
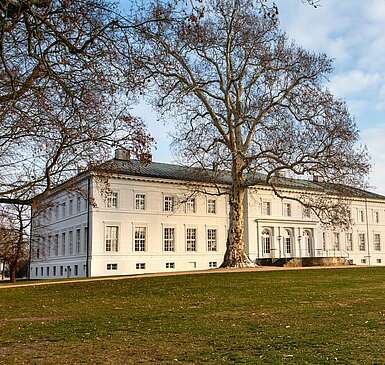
{"x": 149, "y": 224}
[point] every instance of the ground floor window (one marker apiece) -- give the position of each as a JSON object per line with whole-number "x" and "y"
{"x": 76, "y": 270}
{"x": 288, "y": 241}
{"x": 140, "y": 266}
{"x": 54, "y": 271}
{"x": 213, "y": 264}
{"x": 61, "y": 270}
{"x": 170, "y": 265}
{"x": 112, "y": 266}
{"x": 266, "y": 241}
{"x": 362, "y": 241}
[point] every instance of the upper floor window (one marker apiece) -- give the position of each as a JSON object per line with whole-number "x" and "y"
{"x": 211, "y": 239}
{"x": 56, "y": 212}
{"x": 287, "y": 209}
{"x": 361, "y": 241}
{"x": 191, "y": 239}
{"x": 56, "y": 245}
{"x": 112, "y": 200}
{"x": 71, "y": 207}
{"x": 140, "y": 201}
{"x": 168, "y": 203}
{"x": 306, "y": 212}
{"x": 376, "y": 216}
{"x": 190, "y": 206}
{"x": 70, "y": 243}
{"x": 63, "y": 244}
{"x": 63, "y": 210}
{"x": 78, "y": 204}
{"x": 211, "y": 206}
{"x": 111, "y": 238}
{"x": 377, "y": 242}
{"x": 361, "y": 216}
{"x": 266, "y": 208}
{"x": 349, "y": 242}
{"x": 169, "y": 239}
{"x": 140, "y": 239}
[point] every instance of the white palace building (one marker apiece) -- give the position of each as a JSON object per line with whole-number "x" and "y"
{"x": 140, "y": 224}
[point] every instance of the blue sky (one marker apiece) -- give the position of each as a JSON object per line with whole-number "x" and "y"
{"x": 352, "y": 32}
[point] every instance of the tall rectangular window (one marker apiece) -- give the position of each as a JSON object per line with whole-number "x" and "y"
{"x": 61, "y": 270}
{"x": 140, "y": 239}
{"x": 111, "y": 238}
{"x": 361, "y": 216}
{"x": 168, "y": 203}
{"x": 191, "y": 239}
{"x": 211, "y": 206}
{"x": 306, "y": 212}
{"x": 77, "y": 243}
{"x": 54, "y": 271}
{"x": 85, "y": 238}
{"x": 324, "y": 241}
{"x": 56, "y": 212}
{"x": 287, "y": 209}
{"x": 349, "y": 242}
{"x": 76, "y": 269}
{"x": 361, "y": 241}
{"x": 47, "y": 270}
{"x": 377, "y": 242}
{"x": 70, "y": 243}
{"x": 169, "y": 239}
{"x": 63, "y": 244}
{"x": 71, "y": 207}
{"x": 140, "y": 201}
{"x": 63, "y": 210}
{"x": 211, "y": 239}
{"x": 190, "y": 206}
{"x": 376, "y": 216}
{"x": 336, "y": 241}
{"x": 78, "y": 204}
{"x": 266, "y": 208}
{"x": 112, "y": 200}
{"x": 56, "y": 245}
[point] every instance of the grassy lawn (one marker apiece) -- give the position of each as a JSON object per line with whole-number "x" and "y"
{"x": 297, "y": 317}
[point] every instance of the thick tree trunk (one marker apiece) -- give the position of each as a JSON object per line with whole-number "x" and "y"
{"x": 12, "y": 273}
{"x": 236, "y": 255}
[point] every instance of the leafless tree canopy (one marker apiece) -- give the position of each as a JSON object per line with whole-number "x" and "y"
{"x": 246, "y": 99}
{"x": 62, "y": 102}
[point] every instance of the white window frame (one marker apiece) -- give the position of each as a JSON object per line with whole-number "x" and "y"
{"x": 376, "y": 216}
{"x": 114, "y": 247}
{"x": 361, "y": 215}
{"x": 170, "y": 265}
{"x": 361, "y": 247}
{"x": 336, "y": 241}
{"x": 266, "y": 211}
{"x": 173, "y": 241}
{"x": 191, "y": 242}
{"x": 349, "y": 241}
{"x": 211, "y": 203}
{"x": 112, "y": 199}
{"x": 138, "y": 240}
{"x": 287, "y": 212}
{"x": 140, "y": 266}
{"x": 190, "y": 206}
{"x": 210, "y": 241}
{"x": 70, "y": 242}
{"x": 140, "y": 204}
{"x": 78, "y": 240}
{"x": 167, "y": 200}
{"x": 375, "y": 247}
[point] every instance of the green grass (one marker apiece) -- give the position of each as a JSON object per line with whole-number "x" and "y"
{"x": 334, "y": 316}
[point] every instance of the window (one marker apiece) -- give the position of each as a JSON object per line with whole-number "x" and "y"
{"x": 47, "y": 270}
{"x": 85, "y": 238}
{"x": 54, "y": 271}
{"x": 376, "y": 216}
{"x": 56, "y": 212}
{"x": 140, "y": 239}
{"x": 336, "y": 241}
{"x": 191, "y": 205}
{"x": 378, "y": 261}
{"x": 76, "y": 270}
{"x": 111, "y": 238}
{"x": 287, "y": 209}
{"x": 140, "y": 266}
{"x": 212, "y": 264}
{"x": 63, "y": 244}
{"x": 70, "y": 243}
{"x": 211, "y": 239}
{"x": 77, "y": 241}
{"x": 63, "y": 210}
{"x": 78, "y": 204}
{"x": 308, "y": 241}
{"x": 361, "y": 216}
{"x": 112, "y": 266}
{"x": 56, "y": 245}
{"x": 287, "y": 241}
{"x": 38, "y": 253}
{"x": 140, "y": 201}
{"x": 169, "y": 239}
{"x": 306, "y": 212}
{"x": 170, "y": 265}
{"x": 324, "y": 241}
{"x": 266, "y": 208}
{"x": 211, "y": 206}
{"x": 266, "y": 241}
{"x": 349, "y": 242}
{"x": 36, "y": 271}
{"x": 191, "y": 239}
{"x": 168, "y": 204}
{"x": 112, "y": 200}
{"x": 363, "y": 261}
{"x": 41, "y": 271}
{"x": 377, "y": 242}
{"x": 61, "y": 270}
{"x": 362, "y": 241}
{"x": 71, "y": 207}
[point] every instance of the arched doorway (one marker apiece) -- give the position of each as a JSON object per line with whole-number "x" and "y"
{"x": 308, "y": 242}
{"x": 266, "y": 242}
{"x": 287, "y": 242}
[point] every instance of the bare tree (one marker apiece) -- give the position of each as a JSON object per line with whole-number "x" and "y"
{"x": 14, "y": 237}
{"x": 62, "y": 103}
{"x": 249, "y": 102}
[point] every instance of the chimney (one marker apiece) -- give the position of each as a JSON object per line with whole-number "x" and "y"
{"x": 145, "y": 158}
{"x": 122, "y": 154}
